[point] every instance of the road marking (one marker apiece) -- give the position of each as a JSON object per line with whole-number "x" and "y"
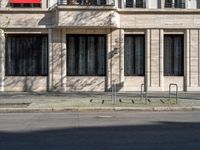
{"x": 104, "y": 116}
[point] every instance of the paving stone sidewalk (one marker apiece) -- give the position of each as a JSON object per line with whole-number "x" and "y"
{"x": 95, "y": 101}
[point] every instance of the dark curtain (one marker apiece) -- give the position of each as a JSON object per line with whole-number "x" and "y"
{"x": 26, "y": 55}
{"x": 180, "y": 3}
{"x": 139, "y": 3}
{"x": 129, "y": 3}
{"x": 86, "y": 55}
{"x": 134, "y": 55}
{"x": 173, "y": 55}
{"x": 168, "y": 3}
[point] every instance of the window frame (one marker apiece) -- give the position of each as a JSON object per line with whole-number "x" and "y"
{"x": 144, "y": 37}
{"x": 175, "y": 5}
{"x": 6, "y": 55}
{"x": 67, "y": 49}
{"x": 182, "y": 56}
{"x": 134, "y": 4}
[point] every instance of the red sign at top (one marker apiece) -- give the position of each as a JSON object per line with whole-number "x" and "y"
{"x": 25, "y": 1}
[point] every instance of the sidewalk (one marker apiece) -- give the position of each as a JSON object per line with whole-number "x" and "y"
{"x": 94, "y": 101}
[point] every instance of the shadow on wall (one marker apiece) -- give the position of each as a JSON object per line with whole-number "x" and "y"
{"x": 83, "y": 18}
{"x": 158, "y": 136}
{"x": 27, "y": 84}
{"x": 46, "y": 20}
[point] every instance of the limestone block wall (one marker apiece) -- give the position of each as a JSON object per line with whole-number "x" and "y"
{"x": 2, "y": 59}
{"x": 55, "y": 59}
{"x": 193, "y": 60}
{"x": 86, "y": 18}
{"x": 20, "y": 19}
{"x": 167, "y": 20}
{"x": 154, "y": 68}
{"x": 192, "y": 3}
{"x": 14, "y": 83}
{"x": 4, "y": 3}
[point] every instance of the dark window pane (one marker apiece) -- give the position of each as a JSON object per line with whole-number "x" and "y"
{"x": 25, "y": 5}
{"x": 134, "y": 55}
{"x": 26, "y": 55}
{"x": 173, "y": 55}
{"x": 86, "y": 55}
{"x": 139, "y": 4}
{"x": 179, "y": 4}
{"x": 135, "y": 4}
{"x": 129, "y": 3}
{"x": 168, "y": 3}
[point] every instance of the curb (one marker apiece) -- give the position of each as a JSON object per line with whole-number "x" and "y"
{"x": 96, "y": 109}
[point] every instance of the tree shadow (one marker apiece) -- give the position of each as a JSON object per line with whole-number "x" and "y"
{"x": 158, "y": 136}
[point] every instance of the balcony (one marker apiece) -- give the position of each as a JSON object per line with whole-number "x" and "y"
{"x": 174, "y": 5}
{"x": 86, "y": 2}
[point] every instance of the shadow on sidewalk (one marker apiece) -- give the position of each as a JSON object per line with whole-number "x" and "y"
{"x": 159, "y": 136}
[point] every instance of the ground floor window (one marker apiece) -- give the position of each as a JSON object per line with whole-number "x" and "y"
{"x": 134, "y": 55}
{"x": 173, "y": 55}
{"x": 26, "y": 55}
{"x": 86, "y": 55}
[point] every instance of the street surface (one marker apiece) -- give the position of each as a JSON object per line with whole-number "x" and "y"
{"x": 100, "y": 131}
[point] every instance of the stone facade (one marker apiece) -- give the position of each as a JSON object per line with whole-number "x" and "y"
{"x": 114, "y": 21}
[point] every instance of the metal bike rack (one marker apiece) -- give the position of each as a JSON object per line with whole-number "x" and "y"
{"x": 144, "y": 92}
{"x": 170, "y": 91}
{"x": 114, "y": 93}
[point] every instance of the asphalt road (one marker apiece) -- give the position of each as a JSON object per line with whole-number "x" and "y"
{"x": 100, "y": 131}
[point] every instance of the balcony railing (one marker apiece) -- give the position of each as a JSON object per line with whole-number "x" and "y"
{"x": 174, "y": 5}
{"x": 86, "y": 2}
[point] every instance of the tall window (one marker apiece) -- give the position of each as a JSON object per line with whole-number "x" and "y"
{"x": 26, "y": 55}
{"x": 134, "y": 55}
{"x": 173, "y": 55}
{"x": 135, "y": 3}
{"x": 86, "y": 55}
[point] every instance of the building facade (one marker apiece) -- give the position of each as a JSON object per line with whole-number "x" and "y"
{"x": 89, "y": 45}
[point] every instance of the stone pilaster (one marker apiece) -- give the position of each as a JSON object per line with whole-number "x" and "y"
{"x": 154, "y": 56}
{"x": 56, "y": 60}
{"x": 44, "y": 3}
{"x": 63, "y": 60}
{"x": 2, "y": 59}
{"x": 186, "y": 59}
{"x": 161, "y": 59}
{"x": 147, "y": 59}
{"x": 114, "y": 65}
{"x": 50, "y": 73}
{"x": 162, "y": 4}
